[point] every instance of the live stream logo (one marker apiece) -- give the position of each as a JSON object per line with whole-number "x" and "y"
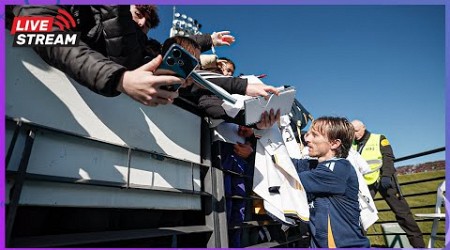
{"x": 37, "y": 31}
{"x": 32, "y": 24}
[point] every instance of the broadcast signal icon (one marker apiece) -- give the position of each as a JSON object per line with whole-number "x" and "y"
{"x": 62, "y": 20}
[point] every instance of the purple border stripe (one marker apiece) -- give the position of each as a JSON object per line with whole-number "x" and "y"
{"x": 447, "y": 109}
{"x": 2, "y": 126}
{"x": 235, "y": 2}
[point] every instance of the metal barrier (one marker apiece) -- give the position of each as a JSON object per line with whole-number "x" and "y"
{"x": 255, "y": 230}
{"x": 40, "y": 230}
{"x": 208, "y": 227}
{"x": 212, "y": 230}
{"x": 375, "y": 233}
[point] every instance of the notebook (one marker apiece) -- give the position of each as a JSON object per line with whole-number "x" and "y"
{"x": 254, "y": 107}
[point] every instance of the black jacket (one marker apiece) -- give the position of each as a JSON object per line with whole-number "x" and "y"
{"x": 211, "y": 105}
{"x": 111, "y": 43}
{"x": 388, "y": 168}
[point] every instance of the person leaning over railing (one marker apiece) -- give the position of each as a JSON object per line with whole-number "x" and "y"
{"x": 378, "y": 153}
{"x": 219, "y": 71}
{"x": 237, "y": 157}
{"x": 233, "y": 85}
{"x": 111, "y": 57}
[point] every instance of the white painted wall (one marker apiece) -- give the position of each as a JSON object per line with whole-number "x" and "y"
{"x": 58, "y": 194}
{"x": 43, "y": 95}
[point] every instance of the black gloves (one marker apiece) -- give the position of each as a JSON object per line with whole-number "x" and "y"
{"x": 385, "y": 182}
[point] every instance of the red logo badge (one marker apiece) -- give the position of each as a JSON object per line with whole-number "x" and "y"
{"x": 31, "y": 31}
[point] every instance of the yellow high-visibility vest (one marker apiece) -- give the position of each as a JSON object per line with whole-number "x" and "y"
{"x": 372, "y": 154}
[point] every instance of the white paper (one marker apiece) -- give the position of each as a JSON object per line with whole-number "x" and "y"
{"x": 228, "y": 132}
{"x": 256, "y": 106}
{"x": 233, "y": 109}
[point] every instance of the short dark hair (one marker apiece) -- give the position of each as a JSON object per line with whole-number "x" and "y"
{"x": 336, "y": 128}
{"x": 228, "y": 61}
{"x": 151, "y": 13}
{"x": 189, "y": 44}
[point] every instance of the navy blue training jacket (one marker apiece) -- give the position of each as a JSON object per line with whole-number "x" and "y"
{"x": 332, "y": 188}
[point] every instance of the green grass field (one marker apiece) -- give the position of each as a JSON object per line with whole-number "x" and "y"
{"x": 425, "y": 226}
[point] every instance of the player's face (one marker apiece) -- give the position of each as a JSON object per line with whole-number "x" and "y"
{"x": 318, "y": 144}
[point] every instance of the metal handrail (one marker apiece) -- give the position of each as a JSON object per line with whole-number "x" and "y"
{"x": 421, "y": 180}
{"x": 374, "y": 234}
{"x": 408, "y": 157}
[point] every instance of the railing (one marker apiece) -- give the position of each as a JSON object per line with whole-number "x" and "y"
{"x": 421, "y": 196}
{"x": 212, "y": 230}
{"x": 256, "y": 230}
{"x": 153, "y": 234}
{"x": 437, "y": 150}
{"x": 213, "y": 226}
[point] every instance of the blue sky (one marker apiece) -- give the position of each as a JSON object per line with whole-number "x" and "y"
{"x": 384, "y": 65}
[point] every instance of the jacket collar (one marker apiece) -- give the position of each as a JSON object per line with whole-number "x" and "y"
{"x": 365, "y": 137}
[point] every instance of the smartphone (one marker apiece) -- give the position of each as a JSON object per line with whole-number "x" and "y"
{"x": 177, "y": 62}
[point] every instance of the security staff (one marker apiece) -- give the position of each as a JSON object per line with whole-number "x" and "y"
{"x": 377, "y": 151}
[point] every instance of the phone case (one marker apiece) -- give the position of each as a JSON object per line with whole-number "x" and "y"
{"x": 178, "y": 62}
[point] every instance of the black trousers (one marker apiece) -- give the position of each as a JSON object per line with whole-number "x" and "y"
{"x": 401, "y": 210}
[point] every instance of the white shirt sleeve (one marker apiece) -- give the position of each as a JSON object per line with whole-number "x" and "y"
{"x": 358, "y": 161}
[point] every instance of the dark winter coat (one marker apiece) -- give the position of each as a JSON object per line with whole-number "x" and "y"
{"x": 111, "y": 43}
